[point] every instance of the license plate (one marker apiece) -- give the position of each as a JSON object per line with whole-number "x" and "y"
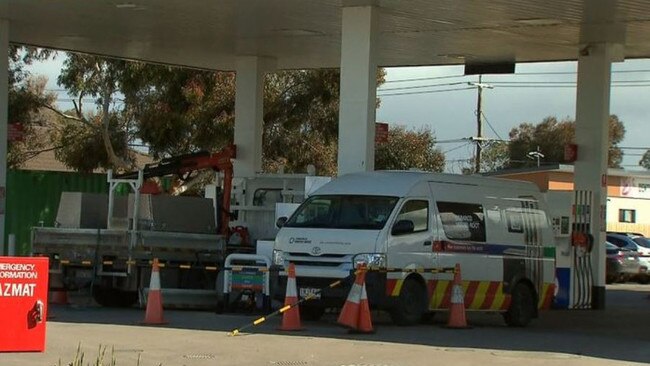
{"x": 312, "y": 293}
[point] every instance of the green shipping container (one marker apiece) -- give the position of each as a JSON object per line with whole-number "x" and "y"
{"x": 33, "y": 200}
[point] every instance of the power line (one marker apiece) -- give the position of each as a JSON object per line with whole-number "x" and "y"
{"x": 512, "y": 84}
{"x": 425, "y": 78}
{"x": 490, "y": 125}
{"x": 575, "y": 72}
{"x": 509, "y": 86}
{"x": 456, "y": 148}
{"x": 528, "y": 82}
{"x": 626, "y": 154}
{"x": 424, "y": 92}
{"x": 461, "y": 139}
{"x": 515, "y": 74}
{"x": 423, "y": 86}
{"x": 633, "y": 148}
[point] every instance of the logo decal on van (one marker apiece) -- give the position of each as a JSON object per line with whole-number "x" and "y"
{"x": 299, "y": 240}
{"x": 316, "y": 251}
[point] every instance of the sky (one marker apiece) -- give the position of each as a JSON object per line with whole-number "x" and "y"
{"x": 451, "y": 114}
{"x": 441, "y": 100}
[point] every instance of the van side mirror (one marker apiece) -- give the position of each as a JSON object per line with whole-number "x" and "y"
{"x": 281, "y": 221}
{"x": 403, "y": 227}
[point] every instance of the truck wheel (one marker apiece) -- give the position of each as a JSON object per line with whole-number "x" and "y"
{"x": 113, "y": 298}
{"x": 522, "y": 307}
{"x": 644, "y": 279}
{"x": 411, "y": 304}
{"x": 311, "y": 313}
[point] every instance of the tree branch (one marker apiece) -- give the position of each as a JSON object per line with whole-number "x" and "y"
{"x": 67, "y": 116}
{"x": 34, "y": 153}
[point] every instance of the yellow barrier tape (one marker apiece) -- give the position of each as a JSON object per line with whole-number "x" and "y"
{"x": 87, "y": 263}
{"x": 185, "y": 266}
{"x": 210, "y": 268}
{"x": 287, "y": 307}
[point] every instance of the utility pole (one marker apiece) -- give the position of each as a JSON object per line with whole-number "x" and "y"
{"x": 479, "y": 120}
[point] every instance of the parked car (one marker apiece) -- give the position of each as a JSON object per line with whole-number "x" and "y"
{"x": 626, "y": 242}
{"x": 643, "y": 247}
{"x": 622, "y": 264}
{"x": 627, "y": 233}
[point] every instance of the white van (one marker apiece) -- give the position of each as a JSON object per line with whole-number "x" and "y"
{"x": 497, "y": 230}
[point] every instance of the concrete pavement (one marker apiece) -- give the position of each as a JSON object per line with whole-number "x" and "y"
{"x": 617, "y": 335}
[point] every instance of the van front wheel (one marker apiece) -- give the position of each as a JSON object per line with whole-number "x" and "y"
{"x": 411, "y": 304}
{"x": 522, "y": 306}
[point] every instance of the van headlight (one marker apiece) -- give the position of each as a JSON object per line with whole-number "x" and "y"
{"x": 370, "y": 260}
{"x": 278, "y": 257}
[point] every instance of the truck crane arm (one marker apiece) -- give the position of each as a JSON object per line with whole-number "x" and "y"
{"x": 183, "y": 165}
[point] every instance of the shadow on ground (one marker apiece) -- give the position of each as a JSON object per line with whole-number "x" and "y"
{"x": 620, "y": 332}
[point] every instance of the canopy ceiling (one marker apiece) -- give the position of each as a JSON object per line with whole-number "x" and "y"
{"x": 307, "y": 33}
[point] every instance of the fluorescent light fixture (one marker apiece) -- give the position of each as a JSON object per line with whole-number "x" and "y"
{"x": 440, "y": 21}
{"x": 125, "y": 6}
{"x": 538, "y": 21}
{"x": 296, "y": 32}
{"x": 455, "y": 56}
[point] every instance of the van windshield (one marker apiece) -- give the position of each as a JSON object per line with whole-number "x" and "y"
{"x": 343, "y": 212}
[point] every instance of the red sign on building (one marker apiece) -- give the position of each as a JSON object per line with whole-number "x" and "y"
{"x": 381, "y": 133}
{"x": 15, "y": 132}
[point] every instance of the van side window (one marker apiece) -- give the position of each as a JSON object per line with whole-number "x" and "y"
{"x": 462, "y": 221}
{"x": 416, "y": 211}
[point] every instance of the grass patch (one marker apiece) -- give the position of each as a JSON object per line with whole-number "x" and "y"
{"x": 103, "y": 358}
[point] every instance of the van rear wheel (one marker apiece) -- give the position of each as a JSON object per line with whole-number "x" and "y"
{"x": 411, "y": 304}
{"x": 522, "y": 306}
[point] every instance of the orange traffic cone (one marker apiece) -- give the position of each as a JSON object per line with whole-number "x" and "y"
{"x": 154, "y": 312}
{"x": 365, "y": 319}
{"x": 291, "y": 317}
{"x": 355, "y": 314}
{"x": 457, "y": 318}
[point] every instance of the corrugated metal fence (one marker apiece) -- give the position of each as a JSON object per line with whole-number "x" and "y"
{"x": 33, "y": 199}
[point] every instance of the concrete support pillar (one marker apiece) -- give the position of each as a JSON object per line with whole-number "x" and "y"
{"x": 356, "y": 150}
{"x": 249, "y": 112}
{"x": 592, "y": 116}
{"x": 4, "y": 101}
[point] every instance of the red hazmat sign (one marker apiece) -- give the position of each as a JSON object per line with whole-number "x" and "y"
{"x": 23, "y": 303}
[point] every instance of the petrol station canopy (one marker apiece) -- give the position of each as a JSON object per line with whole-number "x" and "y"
{"x": 307, "y": 34}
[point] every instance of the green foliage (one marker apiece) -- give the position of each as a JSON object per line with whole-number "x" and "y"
{"x": 175, "y": 111}
{"x": 551, "y": 136}
{"x": 301, "y": 120}
{"x": 26, "y": 96}
{"x": 81, "y": 146}
{"x": 494, "y": 156}
{"x": 99, "y": 139}
{"x": 409, "y": 149}
{"x": 180, "y": 110}
{"x": 645, "y": 160}
{"x": 184, "y": 110}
